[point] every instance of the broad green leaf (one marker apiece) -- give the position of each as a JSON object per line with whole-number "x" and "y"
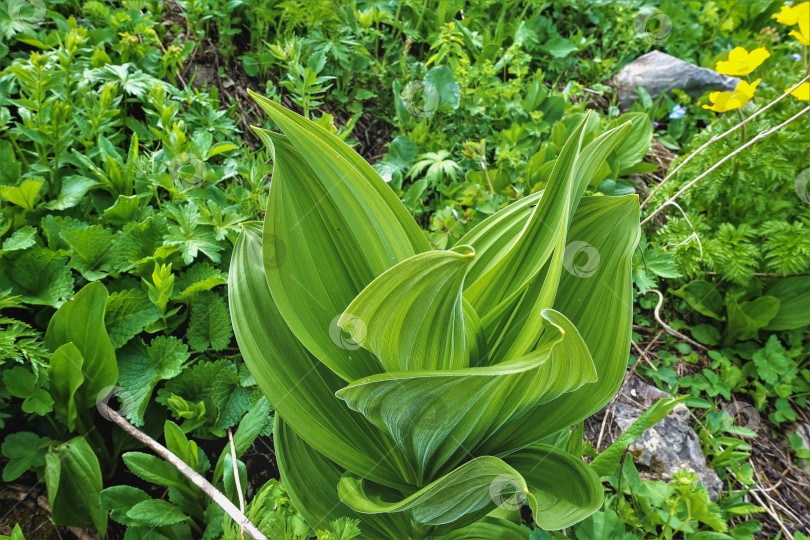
{"x": 312, "y": 484}
{"x": 411, "y": 317}
{"x": 447, "y": 90}
{"x": 442, "y": 415}
{"x": 25, "y": 195}
{"x": 123, "y": 211}
{"x": 543, "y": 231}
{"x": 249, "y": 428}
{"x": 66, "y": 376}
{"x": 489, "y": 529}
{"x": 74, "y": 189}
{"x": 635, "y": 145}
{"x": 301, "y": 389}
{"x": 152, "y": 469}
{"x": 459, "y": 497}
{"x": 81, "y": 321}
{"x": 565, "y": 488}
{"x": 745, "y": 319}
{"x": 24, "y": 450}
{"x": 703, "y": 297}
{"x": 606, "y": 462}
{"x": 73, "y": 490}
{"x": 343, "y": 224}
{"x": 119, "y": 499}
{"x": 600, "y": 306}
{"x": 155, "y": 513}
{"x": 89, "y": 249}
{"x": 793, "y": 294}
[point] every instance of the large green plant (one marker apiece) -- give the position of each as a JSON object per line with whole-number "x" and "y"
{"x": 416, "y": 389}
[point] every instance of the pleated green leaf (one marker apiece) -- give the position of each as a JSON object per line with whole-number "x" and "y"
{"x": 412, "y": 385}
{"x": 437, "y": 417}
{"x": 564, "y": 488}
{"x": 544, "y": 230}
{"x": 299, "y": 387}
{"x": 599, "y": 303}
{"x": 463, "y": 492}
{"x": 332, "y": 226}
{"x": 412, "y": 317}
{"x": 311, "y": 481}
{"x": 489, "y": 529}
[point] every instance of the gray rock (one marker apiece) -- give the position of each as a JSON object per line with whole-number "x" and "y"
{"x": 669, "y": 446}
{"x": 659, "y": 72}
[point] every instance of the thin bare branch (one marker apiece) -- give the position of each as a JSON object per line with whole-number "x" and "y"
{"x": 716, "y": 138}
{"x": 711, "y": 169}
{"x": 196, "y": 478}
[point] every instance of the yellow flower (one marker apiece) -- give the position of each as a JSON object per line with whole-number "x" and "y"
{"x": 741, "y": 62}
{"x": 728, "y": 101}
{"x": 801, "y": 92}
{"x": 799, "y": 14}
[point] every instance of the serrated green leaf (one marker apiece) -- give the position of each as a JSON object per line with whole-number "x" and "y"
{"x": 39, "y": 276}
{"x": 197, "y": 278}
{"x": 21, "y": 239}
{"x": 210, "y": 323}
{"x": 142, "y": 368}
{"x": 128, "y": 313}
{"x": 89, "y": 249}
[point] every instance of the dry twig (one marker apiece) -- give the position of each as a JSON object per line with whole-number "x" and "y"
{"x": 196, "y": 478}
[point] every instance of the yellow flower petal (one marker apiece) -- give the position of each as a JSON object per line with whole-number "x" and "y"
{"x": 802, "y": 12}
{"x": 741, "y": 62}
{"x": 726, "y": 101}
{"x": 787, "y": 16}
{"x": 801, "y": 92}
{"x": 745, "y": 90}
